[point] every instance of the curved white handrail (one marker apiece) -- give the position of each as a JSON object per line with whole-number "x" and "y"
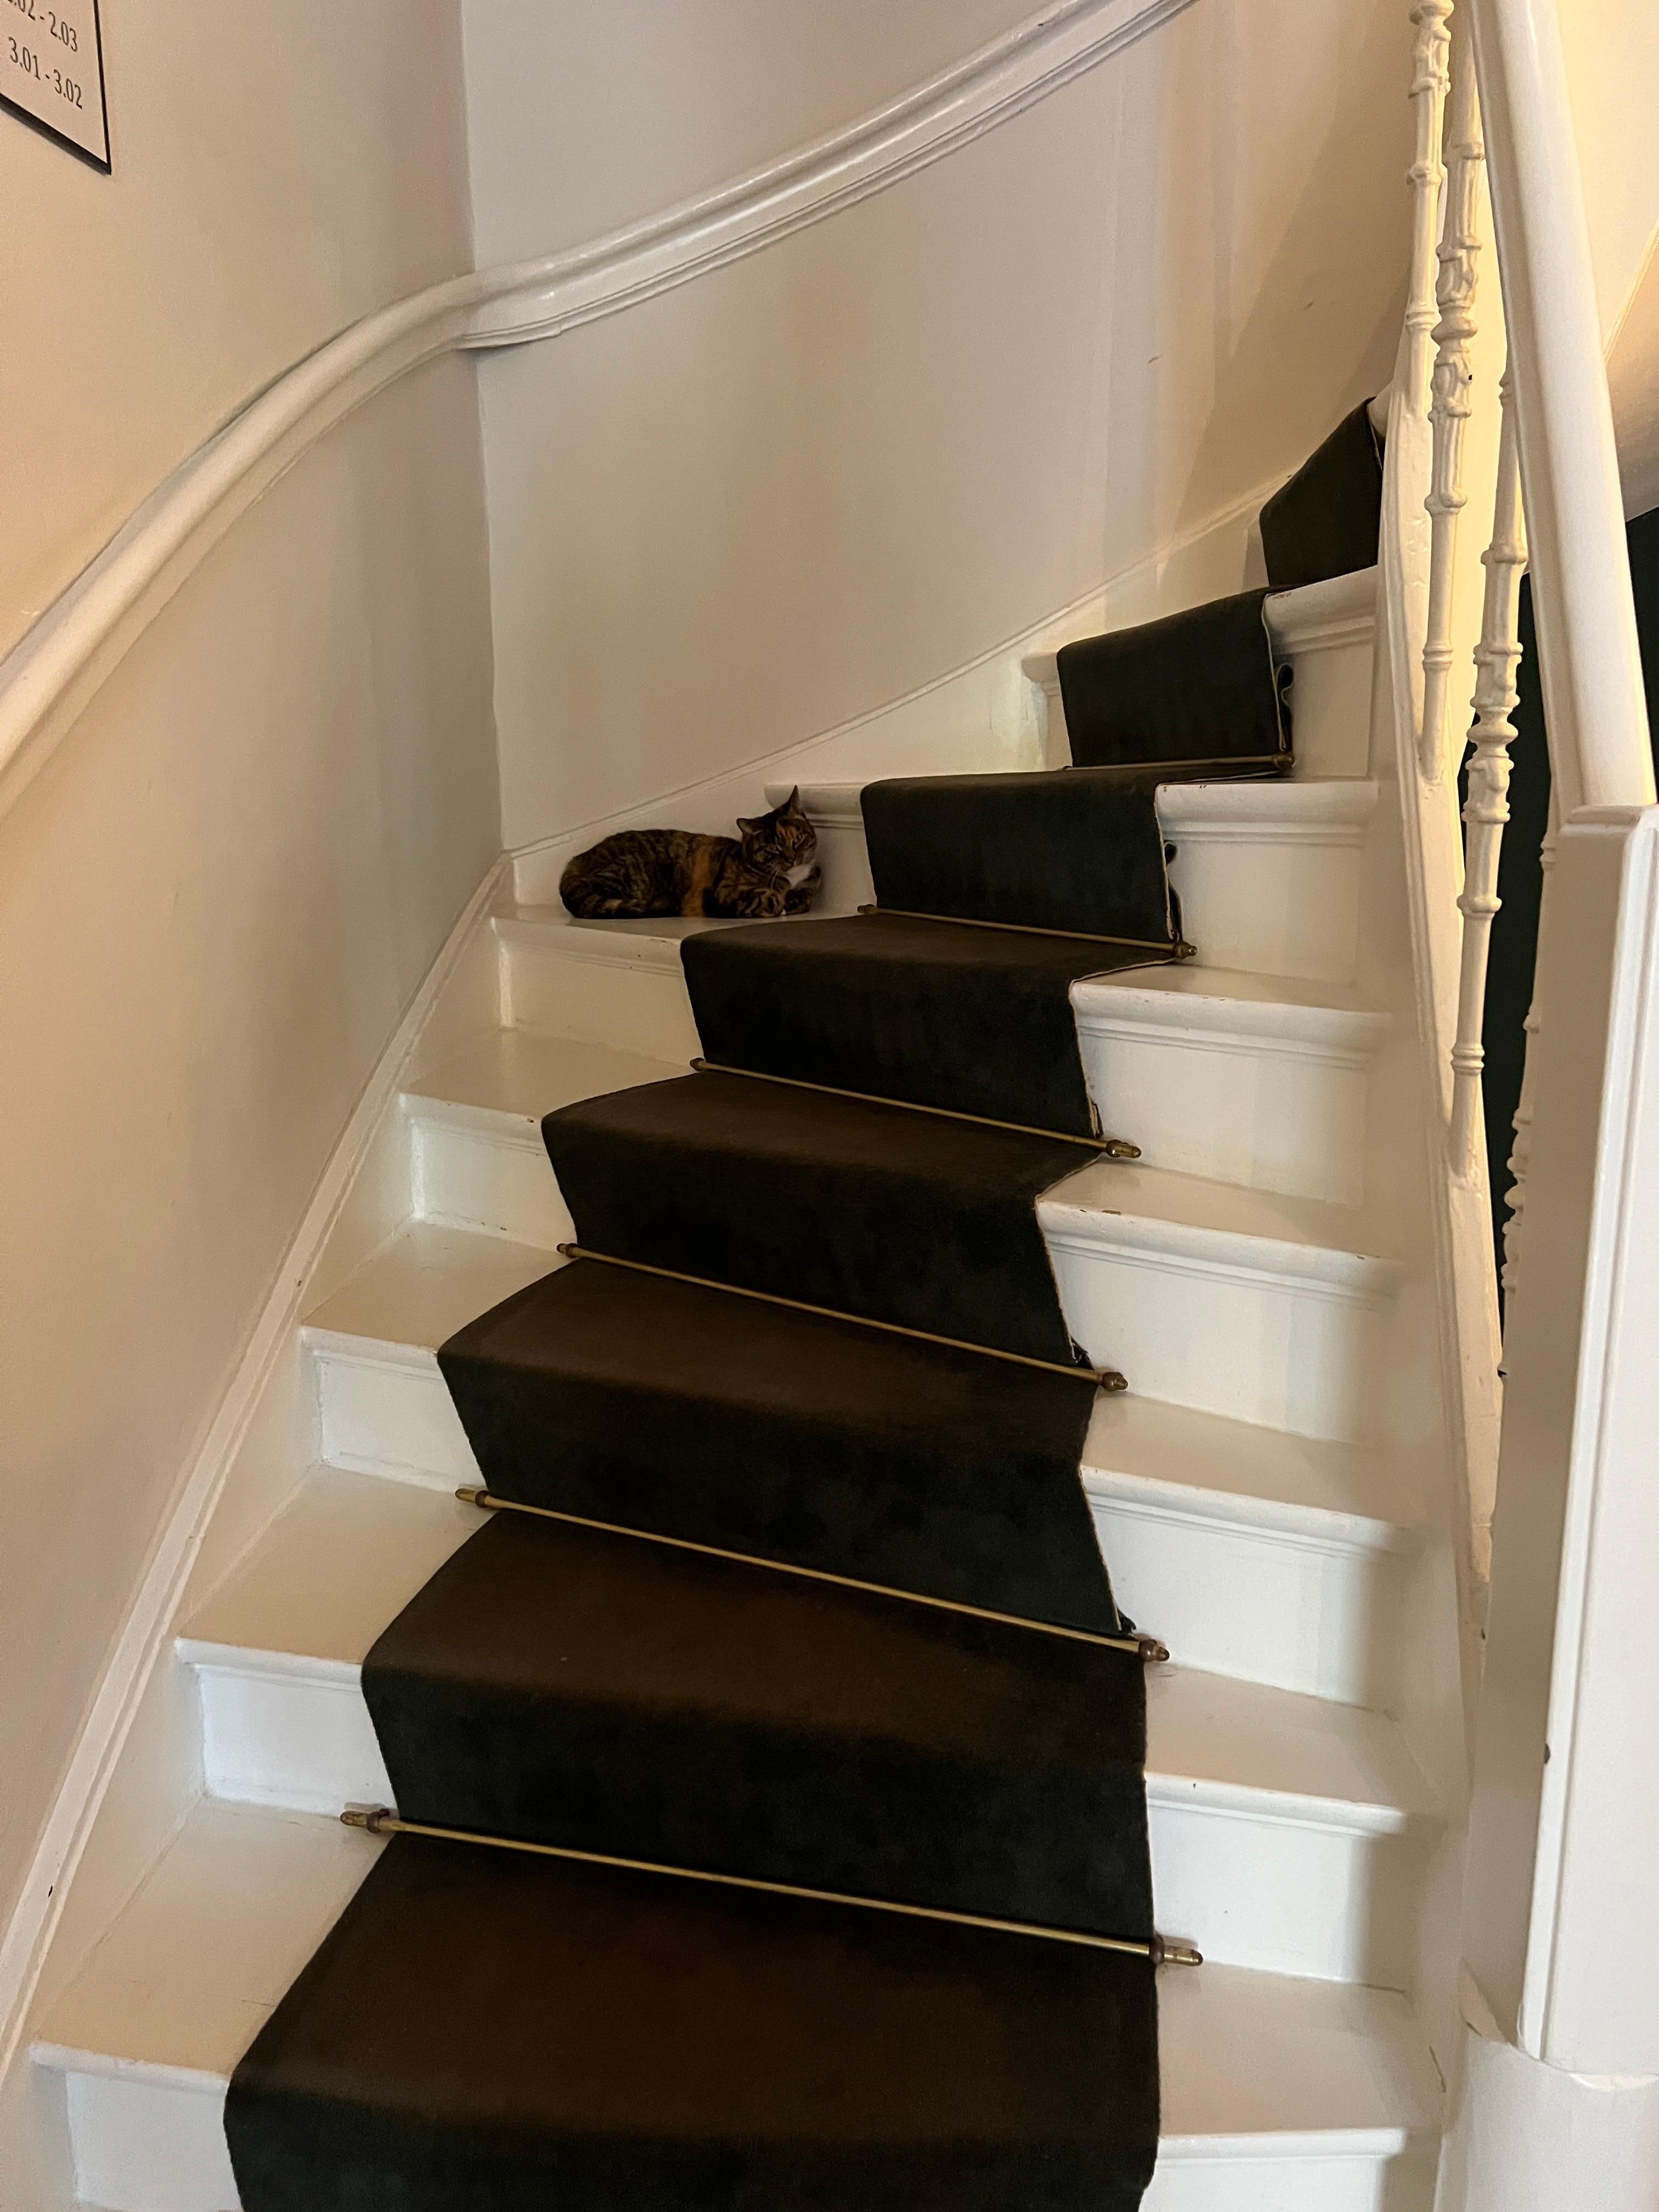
{"x": 1590, "y": 660}
{"x": 48, "y": 675}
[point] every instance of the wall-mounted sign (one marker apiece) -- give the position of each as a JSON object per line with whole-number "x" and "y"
{"x": 51, "y": 73}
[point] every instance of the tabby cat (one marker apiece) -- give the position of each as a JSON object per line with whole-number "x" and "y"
{"x": 762, "y": 873}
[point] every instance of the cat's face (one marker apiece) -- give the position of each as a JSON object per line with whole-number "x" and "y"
{"x": 780, "y": 842}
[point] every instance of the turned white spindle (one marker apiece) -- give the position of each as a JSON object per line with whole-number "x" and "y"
{"x": 1427, "y": 174}
{"x": 1451, "y": 403}
{"x": 1487, "y": 809}
{"x": 1516, "y": 1197}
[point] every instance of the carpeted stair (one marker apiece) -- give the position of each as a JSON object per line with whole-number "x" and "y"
{"x": 771, "y": 1781}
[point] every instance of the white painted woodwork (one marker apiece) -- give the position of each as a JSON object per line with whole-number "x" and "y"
{"x": 1515, "y": 1201}
{"x": 1245, "y": 1079}
{"x": 1231, "y": 1301}
{"x": 1325, "y": 632}
{"x": 1267, "y": 873}
{"x": 1211, "y": 1294}
{"x": 615, "y": 983}
{"x": 1451, "y": 383}
{"x": 1252, "y": 1552}
{"x": 1591, "y": 663}
{"x": 1237, "y": 1077}
{"x": 1427, "y": 176}
{"x": 1561, "y": 1929}
{"x": 1307, "y": 2086}
{"x": 478, "y": 1161}
{"x": 1486, "y": 810}
{"x": 1280, "y": 1823}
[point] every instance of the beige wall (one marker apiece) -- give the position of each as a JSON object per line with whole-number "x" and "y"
{"x": 586, "y": 116}
{"x": 784, "y": 494}
{"x": 225, "y": 885}
{"x": 1611, "y": 50}
{"x": 278, "y": 172}
{"x": 217, "y": 900}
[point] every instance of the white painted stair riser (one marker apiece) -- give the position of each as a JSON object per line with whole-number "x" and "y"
{"x": 1270, "y": 1095}
{"x": 1284, "y": 1337}
{"x": 623, "y": 990}
{"x": 1246, "y": 1087}
{"x": 144, "y": 2145}
{"x": 1233, "y": 1324}
{"x": 1302, "y": 2180}
{"x": 1305, "y": 1890}
{"x": 1324, "y": 632}
{"x": 147, "y": 2146}
{"x": 1291, "y": 1603}
{"x": 1268, "y": 874}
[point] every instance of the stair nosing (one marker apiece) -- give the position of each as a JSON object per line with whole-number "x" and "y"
{"x": 1293, "y": 1028}
{"x": 1237, "y": 1254}
{"x": 1259, "y": 1803}
{"x": 1331, "y": 1529}
{"x": 1389, "y": 2087}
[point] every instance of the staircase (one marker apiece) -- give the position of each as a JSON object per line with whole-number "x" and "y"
{"x": 1259, "y": 1507}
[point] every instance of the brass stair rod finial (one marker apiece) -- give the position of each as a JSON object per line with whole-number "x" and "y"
{"x": 1171, "y": 1951}
{"x": 1155, "y": 1653}
{"x": 369, "y": 1817}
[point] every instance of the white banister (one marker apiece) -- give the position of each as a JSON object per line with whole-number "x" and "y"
{"x": 1427, "y": 174}
{"x": 1487, "y": 809}
{"x": 1515, "y": 1198}
{"x": 1560, "y": 1939}
{"x": 1451, "y": 403}
{"x": 1591, "y": 665}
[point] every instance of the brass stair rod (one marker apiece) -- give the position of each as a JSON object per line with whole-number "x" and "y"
{"x": 1100, "y": 1378}
{"x": 1162, "y": 1951}
{"x": 1114, "y": 1148}
{"x": 1172, "y": 949}
{"x": 1141, "y": 1647}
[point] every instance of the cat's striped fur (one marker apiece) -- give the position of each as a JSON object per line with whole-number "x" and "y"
{"x": 763, "y": 872}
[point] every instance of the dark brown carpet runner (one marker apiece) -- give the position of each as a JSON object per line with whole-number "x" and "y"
{"x": 807, "y": 1597}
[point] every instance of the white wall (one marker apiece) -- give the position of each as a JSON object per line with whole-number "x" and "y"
{"x": 226, "y": 884}
{"x": 586, "y": 118}
{"x": 278, "y": 172}
{"x": 796, "y": 490}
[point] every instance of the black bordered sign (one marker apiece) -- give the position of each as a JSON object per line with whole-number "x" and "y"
{"x": 51, "y": 73}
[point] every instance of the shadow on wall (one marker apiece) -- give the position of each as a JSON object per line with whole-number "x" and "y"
{"x": 1633, "y": 383}
{"x": 1315, "y": 322}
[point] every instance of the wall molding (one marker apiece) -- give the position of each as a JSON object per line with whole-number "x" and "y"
{"x": 142, "y": 1637}
{"x": 56, "y": 666}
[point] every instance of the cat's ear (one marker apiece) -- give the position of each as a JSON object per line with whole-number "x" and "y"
{"x": 792, "y": 804}
{"x": 756, "y": 822}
